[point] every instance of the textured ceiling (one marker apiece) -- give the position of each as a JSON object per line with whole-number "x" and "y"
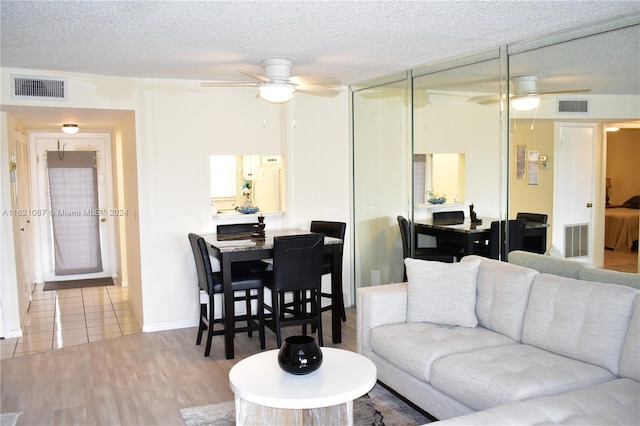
{"x": 352, "y": 41}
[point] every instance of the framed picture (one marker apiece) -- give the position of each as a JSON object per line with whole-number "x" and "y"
{"x": 533, "y": 158}
{"x": 521, "y": 170}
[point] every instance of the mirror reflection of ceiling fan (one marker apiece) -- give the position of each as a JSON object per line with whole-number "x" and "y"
{"x": 524, "y": 96}
{"x": 277, "y": 86}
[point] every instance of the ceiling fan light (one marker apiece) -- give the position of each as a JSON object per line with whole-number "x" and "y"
{"x": 70, "y": 129}
{"x": 277, "y": 92}
{"x": 526, "y": 103}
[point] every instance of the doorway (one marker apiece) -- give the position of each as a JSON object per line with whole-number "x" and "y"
{"x": 56, "y": 223}
{"x": 574, "y": 191}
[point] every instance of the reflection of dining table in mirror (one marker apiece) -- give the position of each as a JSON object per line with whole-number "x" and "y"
{"x": 465, "y": 234}
{"x": 228, "y": 249}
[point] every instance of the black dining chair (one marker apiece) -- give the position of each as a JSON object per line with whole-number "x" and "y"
{"x": 335, "y": 230}
{"x": 501, "y": 239}
{"x": 424, "y": 253}
{"x": 247, "y": 286}
{"x": 297, "y": 268}
{"x": 532, "y": 217}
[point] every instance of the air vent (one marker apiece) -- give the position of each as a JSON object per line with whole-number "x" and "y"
{"x": 576, "y": 240}
{"x": 573, "y": 105}
{"x": 39, "y": 87}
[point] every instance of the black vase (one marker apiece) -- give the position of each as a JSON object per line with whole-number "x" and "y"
{"x": 300, "y": 355}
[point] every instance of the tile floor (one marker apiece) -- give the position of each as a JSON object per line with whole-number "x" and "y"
{"x": 61, "y": 318}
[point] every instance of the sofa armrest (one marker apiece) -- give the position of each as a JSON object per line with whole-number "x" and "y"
{"x": 376, "y": 306}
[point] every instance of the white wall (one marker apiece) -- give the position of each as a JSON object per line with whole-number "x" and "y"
{"x": 177, "y": 126}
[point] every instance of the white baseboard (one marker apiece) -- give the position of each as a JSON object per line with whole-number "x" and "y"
{"x": 169, "y": 325}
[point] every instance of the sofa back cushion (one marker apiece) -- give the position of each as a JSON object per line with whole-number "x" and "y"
{"x": 630, "y": 360}
{"x": 609, "y": 276}
{"x": 502, "y": 295}
{"x": 546, "y": 264}
{"x": 582, "y": 320}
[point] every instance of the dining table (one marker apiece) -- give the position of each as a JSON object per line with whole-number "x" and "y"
{"x": 242, "y": 247}
{"x": 466, "y": 233}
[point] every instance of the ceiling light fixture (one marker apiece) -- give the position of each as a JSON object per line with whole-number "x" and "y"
{"x": 277, "y": 92}
{"x": 525, "y": 103}
{"x": 70, "y": 129}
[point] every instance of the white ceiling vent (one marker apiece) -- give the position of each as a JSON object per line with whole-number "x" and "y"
{"x": 39, "y": 87}
{"x": 573, "y": 105}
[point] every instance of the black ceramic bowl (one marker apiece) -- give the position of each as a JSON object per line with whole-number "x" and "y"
{"x": 300, "y": 355}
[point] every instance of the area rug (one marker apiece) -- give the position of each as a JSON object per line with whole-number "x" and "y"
{"x": 9, "y": 419}
{"x": 64, "y": 285}
{"x": 377, "y": 408}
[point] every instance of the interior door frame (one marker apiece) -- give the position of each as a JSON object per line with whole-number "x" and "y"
{"x": 42, "y": 218}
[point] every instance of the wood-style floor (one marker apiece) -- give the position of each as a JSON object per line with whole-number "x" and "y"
{"x": 140, "y": 379}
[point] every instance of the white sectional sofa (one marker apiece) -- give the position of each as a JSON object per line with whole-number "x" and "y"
{"x": 489, "y": 342}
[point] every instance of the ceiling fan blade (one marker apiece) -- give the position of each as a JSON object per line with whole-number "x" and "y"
{"x": 315, "y": 81}
{"x": 256, "y": 76}
{"x": 229, "y": 83}
{"x": 484, "y": 100}
{"x": 550, "y": 92}
{"x": 317, "y": 90}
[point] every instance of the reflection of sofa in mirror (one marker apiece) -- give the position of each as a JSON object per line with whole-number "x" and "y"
{"x": 238, "y": 181}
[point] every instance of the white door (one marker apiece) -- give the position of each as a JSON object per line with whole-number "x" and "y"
{"x": 574, "y": 191}
{"x": 58, "y": 144}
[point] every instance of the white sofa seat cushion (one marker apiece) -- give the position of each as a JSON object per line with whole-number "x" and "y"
{"x": 610, "y": 403}
{"x": 413, "y": 347}
{"x": 502, "y": 295}
{"x": 495, "y": 376}
{"x": 582, "y": 320}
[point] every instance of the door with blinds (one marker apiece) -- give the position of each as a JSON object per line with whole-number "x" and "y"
{"x": 75, "y": 213}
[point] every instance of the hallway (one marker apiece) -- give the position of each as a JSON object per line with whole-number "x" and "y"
{"x": 62, "y": 318}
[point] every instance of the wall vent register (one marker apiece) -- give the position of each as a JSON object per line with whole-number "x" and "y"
{"x": 31, "y": 87}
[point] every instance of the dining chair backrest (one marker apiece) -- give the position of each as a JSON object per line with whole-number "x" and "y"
{"x": 297, "y": 262}
{"x": 455, "y": 215}
{"x": 235, "y": 228}
{"x": 330, "y": 229}
{"x": 203, "y": 263}
{"x": 405, "y": 231}
{"x": 532, "y": 217}
{"x": 498, "y": 247}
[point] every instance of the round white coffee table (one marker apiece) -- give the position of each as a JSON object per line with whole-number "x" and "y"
{"x": 265, "y": 394}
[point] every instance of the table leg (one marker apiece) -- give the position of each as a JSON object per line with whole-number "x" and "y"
{"x": 249, "y": 413}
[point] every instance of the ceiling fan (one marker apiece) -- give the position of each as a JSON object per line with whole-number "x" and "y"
{"x": 277, "y": 86}
{"x": 525, "y": 95}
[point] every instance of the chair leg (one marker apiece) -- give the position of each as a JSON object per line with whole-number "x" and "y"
{"x": 202, "y": 326}
{"x": 207, "y": 349}
{"x": 318, "y": 304}
{"x": 247, "y": 296}
{"x": 261, "y": 317}
{"x": 276, "y": 316}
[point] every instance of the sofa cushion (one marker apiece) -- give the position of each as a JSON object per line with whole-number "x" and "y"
{"x": 442, "y": 293}
{"x": 413, "y": 347}
{"x": 608, "y": 276}
{"x": 495, "y": 376}
{"x": 546, "y": 264}
{"x": 502, "y": 295}
{"x": 630, "y": 360}
{"x": 582, "y": 320}
{"x": 610, "y": 403}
